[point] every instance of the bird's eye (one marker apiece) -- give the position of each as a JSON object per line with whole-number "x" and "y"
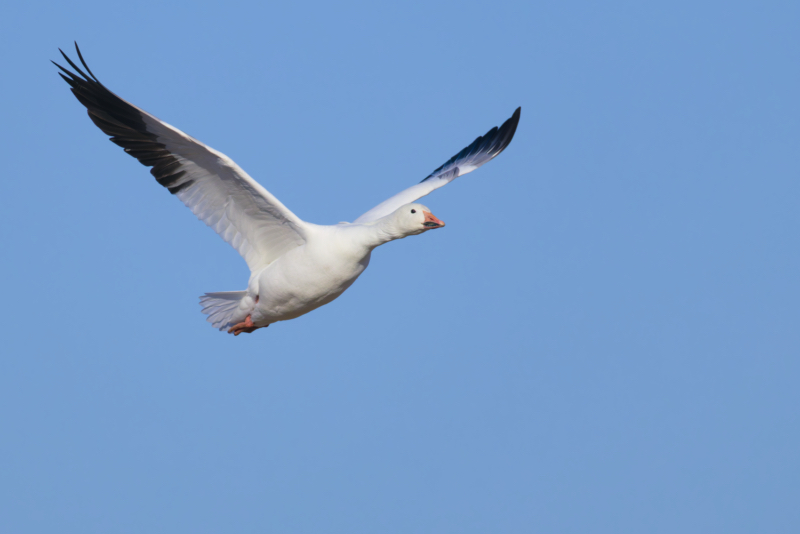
{"x": 413, "y": 211}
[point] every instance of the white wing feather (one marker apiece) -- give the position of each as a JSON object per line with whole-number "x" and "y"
{"x": 480, "y": 151}
{"x": 228, "y": 200}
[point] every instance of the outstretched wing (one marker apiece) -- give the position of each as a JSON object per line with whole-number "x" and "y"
{"x": 481, "y": 150}
{"x": 209, "y": 183}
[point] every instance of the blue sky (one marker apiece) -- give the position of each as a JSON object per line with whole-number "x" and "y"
{"x": 603, "y": 339}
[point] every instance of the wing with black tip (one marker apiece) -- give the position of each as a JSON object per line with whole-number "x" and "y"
{"x": 209, "y": 183}
{"x": 482, "y": 150}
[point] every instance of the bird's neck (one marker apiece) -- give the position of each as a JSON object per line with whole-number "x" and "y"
{"x": 382, "y": 231}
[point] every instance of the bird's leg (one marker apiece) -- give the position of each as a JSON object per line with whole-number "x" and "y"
{"x": 245, "y": 326}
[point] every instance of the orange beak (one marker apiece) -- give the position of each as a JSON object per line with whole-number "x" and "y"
{"x": 431, "y": 221}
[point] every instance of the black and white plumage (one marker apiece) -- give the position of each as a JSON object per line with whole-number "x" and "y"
{"x": 295, "y": 266}
{"x": 482, "y": 150}
{"x": 209, "y": 183}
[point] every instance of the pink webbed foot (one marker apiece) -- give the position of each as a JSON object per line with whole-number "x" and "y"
{"x": 245, "y": 326}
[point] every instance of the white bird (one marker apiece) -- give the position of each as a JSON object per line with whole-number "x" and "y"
{"x": 295, "y": 266}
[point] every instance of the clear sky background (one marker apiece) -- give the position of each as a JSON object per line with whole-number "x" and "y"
{"x": 604, "y": 338}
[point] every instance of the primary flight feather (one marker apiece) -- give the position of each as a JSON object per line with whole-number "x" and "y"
{"x": 295, "y": 266}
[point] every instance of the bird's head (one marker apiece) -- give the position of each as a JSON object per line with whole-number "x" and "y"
{"x": 413, "y": 219}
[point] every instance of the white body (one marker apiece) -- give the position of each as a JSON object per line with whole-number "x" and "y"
{"x": 308, "y": 276}
{"x": 314, "y": 273}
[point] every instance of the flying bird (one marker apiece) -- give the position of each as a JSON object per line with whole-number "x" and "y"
{"x": 295, "y": 266}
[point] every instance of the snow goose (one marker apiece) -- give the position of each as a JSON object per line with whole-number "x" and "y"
{"x": 295, "y": 266}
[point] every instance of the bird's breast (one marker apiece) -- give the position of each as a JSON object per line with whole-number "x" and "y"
{"x": 304, "y": 279}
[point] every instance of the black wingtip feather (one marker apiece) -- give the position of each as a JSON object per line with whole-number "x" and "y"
{"x": 65, "y": 71}
{"x": 73, "y": 65}
{"x": 491, "y": 143}
{"x": 124, "y": 123}
{"x": 68, "y": 80}
{"x": 507, "y": 131}
{"x": 80, "y": 56}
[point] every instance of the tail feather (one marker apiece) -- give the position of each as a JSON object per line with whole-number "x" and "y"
{"x": 221, "y": 307}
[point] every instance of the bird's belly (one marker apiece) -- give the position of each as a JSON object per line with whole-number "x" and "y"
{"x": 289, "y": 289}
